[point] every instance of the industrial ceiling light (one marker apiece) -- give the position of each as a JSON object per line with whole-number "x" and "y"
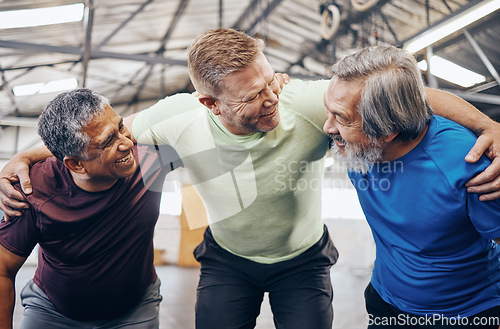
{"x": 452, "y": 72}
{"x": 45, "y": 87}
{"x": 451, "y": 25}
{"x": 41, "y": 16}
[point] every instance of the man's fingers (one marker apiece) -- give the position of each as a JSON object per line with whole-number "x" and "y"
{"x": 493, "y": 186}
{"x": 10, "y": 207}
{"x": 25, "y": 184}
{"x": 481, "y": 145}
{"x": 11, "y": 203}
{"x": 286, "y": 78}
{"x": 282, "y": 79}
{"x": 488, "y": 180}
{"x": 23, "y": 175}
{"x": 8, "y": 212}
{"x": 488, "y": 191}
{"x": 490, "y": 196}
{"x": 7, "y": 191}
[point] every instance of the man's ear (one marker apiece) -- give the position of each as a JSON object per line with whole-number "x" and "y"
{"x": 210, "y": 103}
{"x": 74, "y": 164}
{"x": 390, "y": 137}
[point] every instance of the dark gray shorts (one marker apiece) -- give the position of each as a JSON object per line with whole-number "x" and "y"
{"x": 40, "y": 313}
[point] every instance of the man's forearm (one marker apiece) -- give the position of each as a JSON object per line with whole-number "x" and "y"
{"x": 456, "y": 109}
{"x": 34, "y": 155}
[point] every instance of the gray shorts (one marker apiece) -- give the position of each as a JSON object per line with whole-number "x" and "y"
{"x": 40, "y": 313}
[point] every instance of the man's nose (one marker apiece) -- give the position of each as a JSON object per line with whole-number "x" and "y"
{"x": 271, "y": 96}
{"x": 125, "y": 143}
{"x": 330, "y": 127}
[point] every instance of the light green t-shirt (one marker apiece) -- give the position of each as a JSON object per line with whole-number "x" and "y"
{"x": 262, "y": 191}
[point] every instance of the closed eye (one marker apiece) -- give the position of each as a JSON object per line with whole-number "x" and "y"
{"x": 253, "y": 98}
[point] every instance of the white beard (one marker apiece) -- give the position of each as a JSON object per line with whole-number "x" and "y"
{"x": 357, "y": 159}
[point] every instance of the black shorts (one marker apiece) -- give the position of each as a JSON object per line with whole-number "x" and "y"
{"x": 231, "y": 288}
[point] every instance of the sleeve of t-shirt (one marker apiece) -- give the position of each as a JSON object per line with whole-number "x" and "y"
{"x": 307, "y": 99}
{"x": 19, "y": 235}
{"x": 157, "y": 124}
{"x": 485, "y": 215}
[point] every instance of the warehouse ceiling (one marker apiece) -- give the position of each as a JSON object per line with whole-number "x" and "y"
{"x": 134, "y": 51}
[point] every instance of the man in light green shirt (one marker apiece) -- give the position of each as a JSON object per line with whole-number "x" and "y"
{"x": 259, "y": 172}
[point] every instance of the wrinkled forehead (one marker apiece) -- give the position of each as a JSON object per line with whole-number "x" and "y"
{"x": 343, "y": 95}
{"x": 347, "y": 91}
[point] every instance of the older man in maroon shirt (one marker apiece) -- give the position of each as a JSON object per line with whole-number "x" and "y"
{"x": 93, "y": 212}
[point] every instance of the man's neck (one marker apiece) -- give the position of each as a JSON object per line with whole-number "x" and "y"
{"x": 397, "y": 149}
{"x": 88, "y": 184}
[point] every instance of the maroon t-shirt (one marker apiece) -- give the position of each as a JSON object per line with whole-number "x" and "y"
{"x": 96, "y": 248}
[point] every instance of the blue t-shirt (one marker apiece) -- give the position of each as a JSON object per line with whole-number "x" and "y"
{"x": 434, "y": 249}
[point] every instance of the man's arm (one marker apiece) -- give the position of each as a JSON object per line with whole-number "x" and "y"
{"x": 9, "y": 266}
{"x": 454, "y": 108}
{"x": 17, "y": 170}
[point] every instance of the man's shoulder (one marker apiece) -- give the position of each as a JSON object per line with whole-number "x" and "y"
{"x": 450, "y": 144}
{"x": 166, "y": 120}
{"x": 305, "y": 99}
{"x": 173, "y": 105}
{"x": 47, "y": 170}
{"x": 48, "y": 177}
{"x": 297, "y": 90}
{"x": 453, "y": 134}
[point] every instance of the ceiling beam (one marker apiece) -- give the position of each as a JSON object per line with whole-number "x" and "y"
{"x": 476, "y": 97}
{"x": 410, "y": 44}
{"x": 254, "y": 14}
{"x": 13, "y": 121}
{"x": 93, "y": 53}
{"x": 34, "y": 66}
{"x": 123, "y": 24}
{"x": 88, "y": 24}
{"x": 386, "y": 22}
{"x": 181, "y": 8}
{"x": 482, "y": 56}
{"x": 221, "y": 13}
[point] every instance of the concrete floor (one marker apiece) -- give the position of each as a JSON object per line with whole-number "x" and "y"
{"x": 179, "y": 290}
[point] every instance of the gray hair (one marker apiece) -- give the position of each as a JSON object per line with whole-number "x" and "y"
{"x": 61, "y": 124}
{"x": 217, "y": 53}
{"x": 393, "y": 98}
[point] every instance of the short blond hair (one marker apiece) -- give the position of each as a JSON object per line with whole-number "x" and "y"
{"x": 218, "y": 52}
